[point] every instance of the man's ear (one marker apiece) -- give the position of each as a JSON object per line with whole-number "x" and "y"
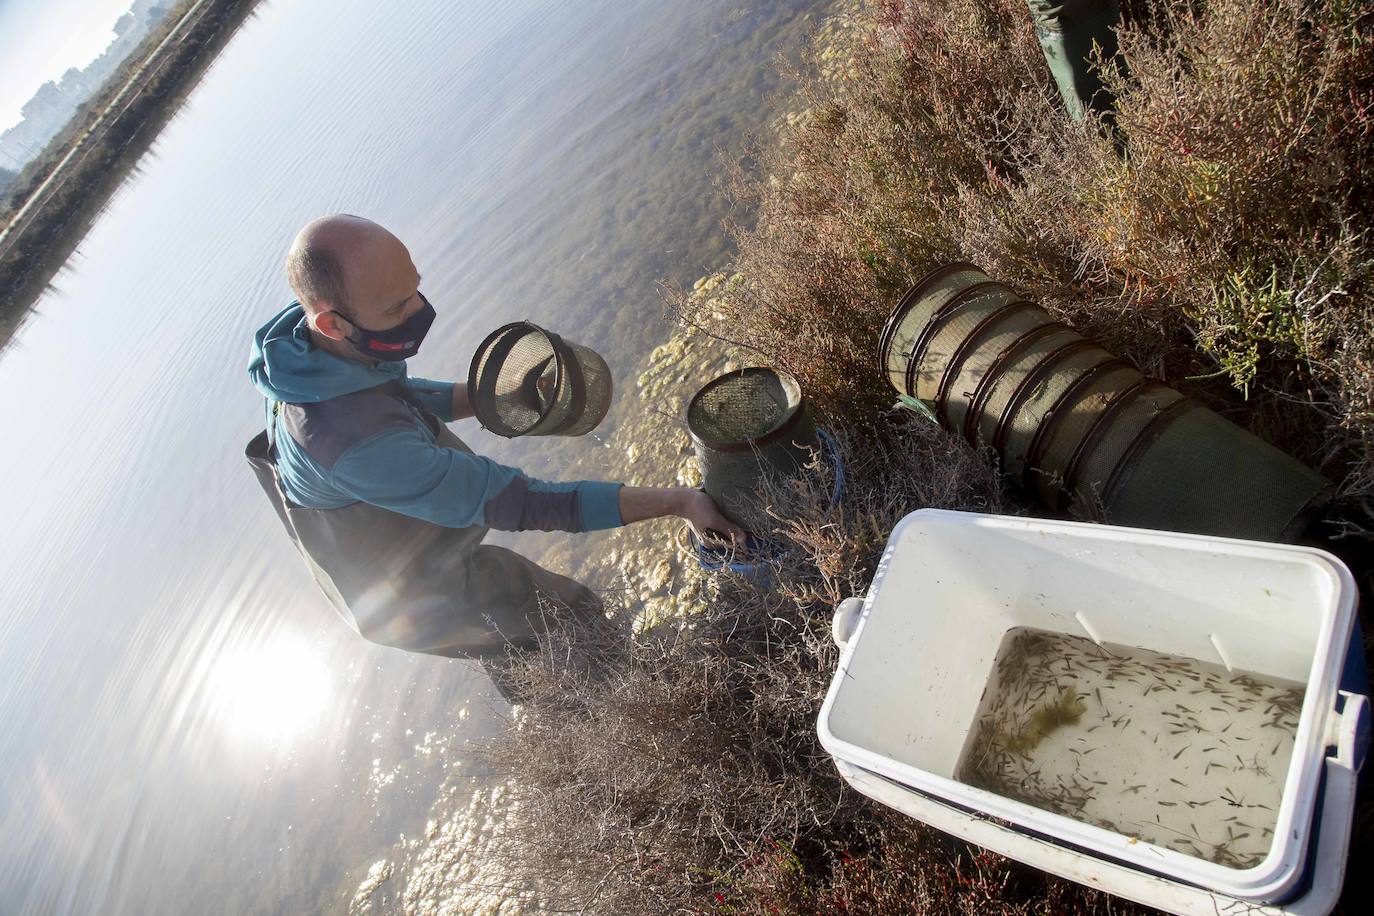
{"x": 331, "y": 324}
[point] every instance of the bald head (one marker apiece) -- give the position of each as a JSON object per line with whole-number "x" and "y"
{"x": 334, "y": 259}
{"x": 349, "y": 273}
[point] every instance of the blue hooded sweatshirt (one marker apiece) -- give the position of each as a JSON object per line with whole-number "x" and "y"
{"x": 402, "y": 468}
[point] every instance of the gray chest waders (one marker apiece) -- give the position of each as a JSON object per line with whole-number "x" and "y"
{"x": 398, "y": 580}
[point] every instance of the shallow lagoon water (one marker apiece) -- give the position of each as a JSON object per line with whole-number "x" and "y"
{"x": 186, "y": 725}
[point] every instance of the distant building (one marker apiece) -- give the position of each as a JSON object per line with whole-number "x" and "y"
{"x": 54, "y": 104}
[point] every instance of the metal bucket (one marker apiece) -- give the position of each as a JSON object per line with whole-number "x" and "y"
{"x": 526, "y": 381}
{"x": 754, "y": 559}
{"x": 1080, "y": 428}
{"x": 750, "y": 427}
{"x": 1067, "y": 31}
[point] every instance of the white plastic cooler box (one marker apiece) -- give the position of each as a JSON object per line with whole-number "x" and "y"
{"x": 917, "y": 652}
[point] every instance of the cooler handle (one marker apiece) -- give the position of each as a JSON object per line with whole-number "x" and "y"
{"x": 1351, "y": 738}
{"x": 1352, "y": 731}
{"x": 845, "y": 621}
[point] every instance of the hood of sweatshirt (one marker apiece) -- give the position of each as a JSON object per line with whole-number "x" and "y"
{"x": 287, "y": 366}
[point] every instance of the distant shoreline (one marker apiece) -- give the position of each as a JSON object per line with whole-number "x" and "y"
{"x": 76, "y": 176}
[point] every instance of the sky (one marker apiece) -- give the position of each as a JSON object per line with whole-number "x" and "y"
{"x": 41, "y": 39}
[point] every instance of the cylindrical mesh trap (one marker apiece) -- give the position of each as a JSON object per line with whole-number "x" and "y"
{"x": 749, "y": 428}
{"x": 1082, "y": 429}
{"x": 922, "y": 302}
{"x": 526, "y": 381}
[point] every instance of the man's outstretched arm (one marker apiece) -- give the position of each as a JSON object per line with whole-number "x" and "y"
{"x": 462, "y": 404}
{"x": 698, "y": 509}
{"x": 402, "y": 470}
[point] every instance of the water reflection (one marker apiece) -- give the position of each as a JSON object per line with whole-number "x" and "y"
{"x": 270, "y": 692}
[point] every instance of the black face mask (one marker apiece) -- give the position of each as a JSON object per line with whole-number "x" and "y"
{"x": 394, "y": 344}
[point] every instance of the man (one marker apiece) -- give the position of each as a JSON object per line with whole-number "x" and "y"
{"x": 388, "y": 506}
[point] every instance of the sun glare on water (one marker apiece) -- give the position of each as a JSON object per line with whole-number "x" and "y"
{"x": 270, "y": 693}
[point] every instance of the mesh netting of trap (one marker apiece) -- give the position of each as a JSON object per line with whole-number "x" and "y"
{"x": 526, "y": 381}
{"x": 740, "y": 409}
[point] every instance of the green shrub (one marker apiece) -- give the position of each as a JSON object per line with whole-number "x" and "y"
{"x": 1217, "y": 232}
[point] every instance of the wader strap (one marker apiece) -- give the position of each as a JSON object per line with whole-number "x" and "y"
{"x": 272, "y": 432}
{"x": 430, "y": 420}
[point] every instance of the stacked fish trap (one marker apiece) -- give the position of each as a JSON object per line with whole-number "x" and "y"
{"x": 1080, "y": 428}
{"x": 526, "y": 381}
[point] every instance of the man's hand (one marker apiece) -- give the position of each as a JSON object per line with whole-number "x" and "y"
{"x": 707, "y": 522}
{"x": 698, "y": 509}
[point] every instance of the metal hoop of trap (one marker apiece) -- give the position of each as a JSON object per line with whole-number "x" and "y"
{"x": 527, "y": 381}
